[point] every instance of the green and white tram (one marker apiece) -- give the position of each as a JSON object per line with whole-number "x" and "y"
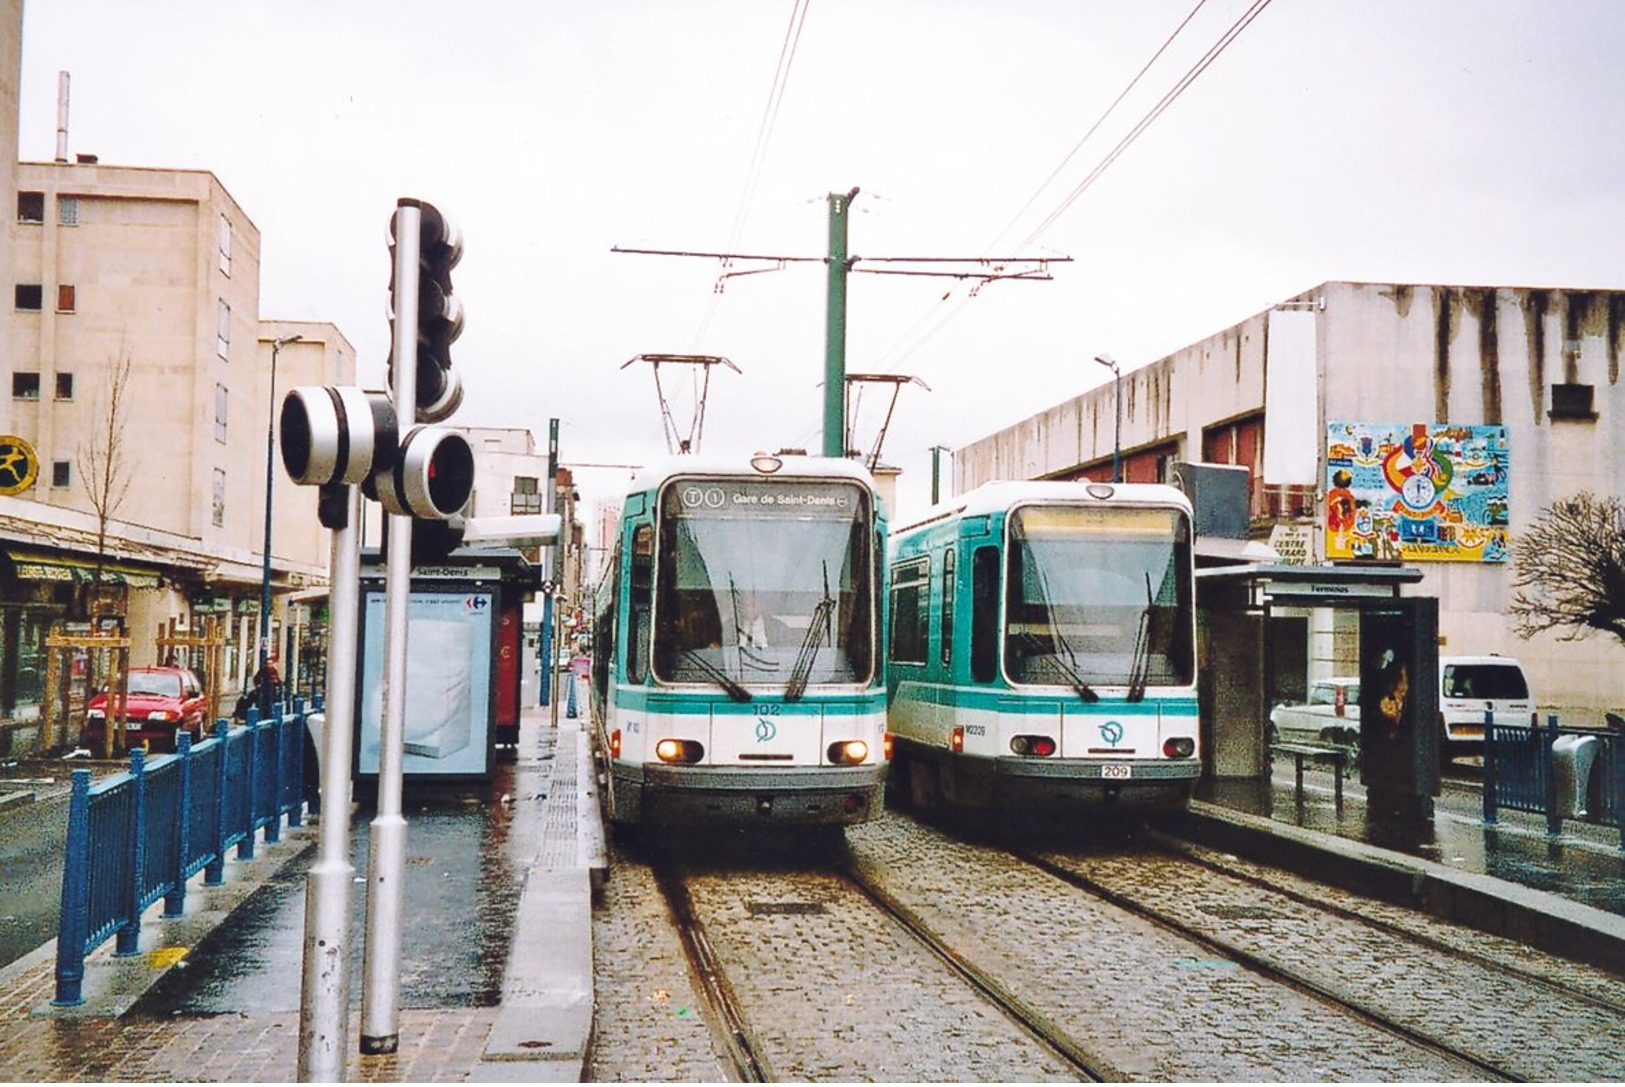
{"x": 1043, "y": 649}
{"x": 737, "y": 674}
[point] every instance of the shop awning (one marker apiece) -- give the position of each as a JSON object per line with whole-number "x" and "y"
{"x": 39, "y": 566}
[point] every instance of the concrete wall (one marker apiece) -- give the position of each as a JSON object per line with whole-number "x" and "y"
{"x": 1393, "y": 353}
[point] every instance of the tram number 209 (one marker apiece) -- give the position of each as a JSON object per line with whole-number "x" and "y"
{"x": 1116, "y": 770}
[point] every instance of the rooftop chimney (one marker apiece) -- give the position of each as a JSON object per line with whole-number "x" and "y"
{"x": 62, "y": 117}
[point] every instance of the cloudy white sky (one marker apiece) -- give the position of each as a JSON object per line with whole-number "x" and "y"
{"x": 1450, "y": 141}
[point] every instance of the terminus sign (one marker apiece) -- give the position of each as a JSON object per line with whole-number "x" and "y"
{"x": 1278, "y": 589}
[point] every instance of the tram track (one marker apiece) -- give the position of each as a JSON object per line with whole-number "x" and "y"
{"x": 1265, "y": 968}
{"x": 1486, "y": 1002}
{"x": 746, "y": 1052}
{"x": 1412, "y": 932}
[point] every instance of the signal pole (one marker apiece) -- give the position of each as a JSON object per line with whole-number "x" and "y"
{"x": 324, "y": 1006}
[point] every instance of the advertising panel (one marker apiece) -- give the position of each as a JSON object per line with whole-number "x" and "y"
{"x": 451, "y": 639}
{"x": 1416, "y": 492}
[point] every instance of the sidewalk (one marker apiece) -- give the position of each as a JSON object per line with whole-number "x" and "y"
{"x": 537, "y": 1034}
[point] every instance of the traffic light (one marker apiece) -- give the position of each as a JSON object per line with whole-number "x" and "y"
{"x": 337, "y": 434}
{"x": 423, "y": 286}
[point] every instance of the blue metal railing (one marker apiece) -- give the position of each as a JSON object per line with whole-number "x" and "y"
{"x": 142, "y": 835}
{"x": 1521, "y": 773}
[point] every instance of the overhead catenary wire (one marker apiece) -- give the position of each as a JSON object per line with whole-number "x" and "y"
{"x": 936, "y": 315}
{"x": 758, "y": 158}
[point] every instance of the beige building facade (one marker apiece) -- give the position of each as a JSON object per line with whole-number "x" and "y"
{"x": 139, "y": 376}
{"x": 1537, "y": 367}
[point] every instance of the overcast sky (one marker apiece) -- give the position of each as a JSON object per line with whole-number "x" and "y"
{"x": 1421, "y": 141}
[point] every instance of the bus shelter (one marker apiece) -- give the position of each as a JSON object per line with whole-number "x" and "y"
{"x": 464, "y": 648}
{"x": 1253, "y": 624}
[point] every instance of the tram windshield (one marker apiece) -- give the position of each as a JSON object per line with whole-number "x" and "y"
{"x": 1099, "y": 596}
{"x": 764, "y": 582}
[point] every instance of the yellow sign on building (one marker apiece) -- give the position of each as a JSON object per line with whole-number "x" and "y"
{"x": 19, "y": 465}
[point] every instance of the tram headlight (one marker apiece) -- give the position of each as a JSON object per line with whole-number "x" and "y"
{"x": 680, "y": 751}
{"x": 848, "y": 752}
{"x": 1179, "y": 747}
{"x": 1039, "y": 746}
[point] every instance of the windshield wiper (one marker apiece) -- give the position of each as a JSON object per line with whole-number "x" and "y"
{"x": 1140, "y": 669}
{"x": 1067, "y": 668}
{"x": 722, "y": 679}
{"x": 817, "y": 631}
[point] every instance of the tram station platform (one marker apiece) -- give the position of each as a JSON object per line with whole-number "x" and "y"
{"x": 1565, "y": 893}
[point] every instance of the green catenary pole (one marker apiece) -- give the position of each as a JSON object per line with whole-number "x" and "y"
{"x": 835, "y": 328}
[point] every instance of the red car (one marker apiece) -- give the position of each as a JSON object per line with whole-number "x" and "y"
{"x": 161, "y": 704}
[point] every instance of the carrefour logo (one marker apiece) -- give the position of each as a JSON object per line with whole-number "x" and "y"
{"x": 1112, "y": 732}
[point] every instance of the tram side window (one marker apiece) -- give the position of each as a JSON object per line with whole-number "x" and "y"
{"x": 984, "y": 618}
{"x": 947, "y": 631}
{"x": 642, "y": 604}
{"x": 910, "y": 611}
{"x": 604, "y": 627}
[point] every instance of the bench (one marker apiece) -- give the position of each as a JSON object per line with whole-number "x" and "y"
{"x": 1337, "y": 756}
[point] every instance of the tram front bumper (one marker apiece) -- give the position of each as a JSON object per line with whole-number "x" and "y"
{"x": 1125, "y": 784}
{"x": 809, "y": 796}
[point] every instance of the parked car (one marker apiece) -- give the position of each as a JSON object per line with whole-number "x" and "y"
{"x": 1331, "y": 716}
{"x": 1470, "y": 686}
{"x": 161, "y": 704}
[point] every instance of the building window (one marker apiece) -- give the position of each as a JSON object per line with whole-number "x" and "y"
{"x": 526, "y": 497}
{"x": 219, "y": 413}
{"x": 219, "y": 498}
{"x": 225, "y": 245}
{"x": 65, "y": 297}
{"x": 30, "y": 297}
{"x": 30, "y": 207}
{"x": 67, "y": 210}
{"x": 25, "y": 386}
{"x": 61, "y": 474}
{"x": 64, "y": 386}
{"x": 222, "y": 332}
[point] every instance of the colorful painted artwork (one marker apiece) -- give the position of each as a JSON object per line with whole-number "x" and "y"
{"x": 1416, "y": 492}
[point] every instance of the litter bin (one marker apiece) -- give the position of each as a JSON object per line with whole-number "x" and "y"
{"x": 1572, "y": 759}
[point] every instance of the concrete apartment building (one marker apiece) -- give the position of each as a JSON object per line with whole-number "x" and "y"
{"x": 1521, "y": 384}
{"x": 152, "y": 275}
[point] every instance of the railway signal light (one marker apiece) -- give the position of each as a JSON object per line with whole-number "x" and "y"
{"x": 423, "y": 287}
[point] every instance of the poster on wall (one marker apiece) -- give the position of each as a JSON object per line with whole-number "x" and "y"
{"x": 449, "y": 646}
{"x": 1416, "y": 492}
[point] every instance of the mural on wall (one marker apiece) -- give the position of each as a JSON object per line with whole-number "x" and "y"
{"x": 1416, "y": 492}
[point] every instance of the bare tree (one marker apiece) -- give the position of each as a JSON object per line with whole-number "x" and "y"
{"x": 1569, "y": 569}
{"x": 103, "y": 464}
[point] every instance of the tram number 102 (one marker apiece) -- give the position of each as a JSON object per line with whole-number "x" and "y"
{"x": 1116, "y": 770}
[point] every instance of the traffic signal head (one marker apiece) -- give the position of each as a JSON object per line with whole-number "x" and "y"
{"x": 337, "y": 434}
{"x": 423, "y": 286}
{"x": 432, "y": 477}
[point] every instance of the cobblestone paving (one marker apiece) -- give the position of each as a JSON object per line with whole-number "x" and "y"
{"x": 1151, "y": 1004}
{"x": 1596, "y": 983}
{"x": 834, "y": 990}
{"x": 649, "y": 1019}
{"x": 1524, "y": 1027}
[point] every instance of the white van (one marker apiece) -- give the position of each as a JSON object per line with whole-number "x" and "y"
{"x": 1470, "y": 686}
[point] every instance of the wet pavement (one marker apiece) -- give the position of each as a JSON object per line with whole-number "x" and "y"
{"x": 497, "y": 965}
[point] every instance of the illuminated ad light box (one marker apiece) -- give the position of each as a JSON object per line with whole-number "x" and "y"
{"x": 449, "y": 647}
{"x": 1416, "y": 492}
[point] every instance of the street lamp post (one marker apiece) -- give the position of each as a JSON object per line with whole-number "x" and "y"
{"x": 265, "y": 570}
{"x": 1117, "y": 404}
